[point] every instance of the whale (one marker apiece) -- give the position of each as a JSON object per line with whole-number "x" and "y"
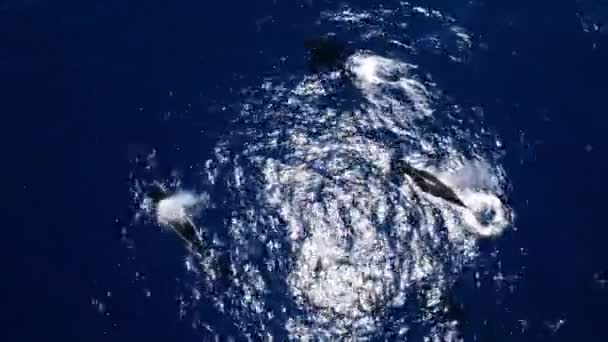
{"x": 327, "y": 53}
{"x": 186, "y": 230}
{"x": 426, "y": 181}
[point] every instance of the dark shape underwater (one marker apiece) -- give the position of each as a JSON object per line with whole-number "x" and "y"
{"x": 426, "y": 181}
{"x": 327, "y": 53}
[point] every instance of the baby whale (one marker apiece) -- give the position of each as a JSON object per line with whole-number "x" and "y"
{"x": 183, "y": 226}
{"x": 426, "y": 181}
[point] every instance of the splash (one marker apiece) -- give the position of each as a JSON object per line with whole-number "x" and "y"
{"x": 487, "y": 216}
{"x": 474, "y": 174}
{"x": 477, "y": 184}
{"x": 179, "y": 208}
{"x": 374, "y": 74}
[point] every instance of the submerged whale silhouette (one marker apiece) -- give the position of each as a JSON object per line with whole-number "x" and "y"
{"x": 185, "y": 230}
{"x": 426, "y": 181}
{"x": 327, "y": 53}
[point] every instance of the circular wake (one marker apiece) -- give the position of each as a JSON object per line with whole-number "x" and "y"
{"x": 319, "y": 239}
{"x": 487, "y": 216}
{"x": 325, "y": 239}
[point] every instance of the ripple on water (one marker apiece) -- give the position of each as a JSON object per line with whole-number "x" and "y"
{"x": 319, "y": 239}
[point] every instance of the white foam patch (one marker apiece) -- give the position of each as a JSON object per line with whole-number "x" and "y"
{"x": 348, "y": 15}
{"x": 477, "y": 184}
{"x": 179, "y": 208}
{"x": 498, "y": 216}
{"x": 463, "y": 36}
{"x": 427, "y": 12}
{"x": 374, "y": 74}
{"x": 474, "y": 174}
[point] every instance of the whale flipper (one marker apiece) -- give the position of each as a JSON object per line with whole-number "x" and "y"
{"x": 426, "y": 181}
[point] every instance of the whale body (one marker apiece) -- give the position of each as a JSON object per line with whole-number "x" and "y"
{"x": 327, "y": 53}
{"x": 426, "y": 181}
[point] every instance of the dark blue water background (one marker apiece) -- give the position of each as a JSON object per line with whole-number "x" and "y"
{"x": 86, "y": 87}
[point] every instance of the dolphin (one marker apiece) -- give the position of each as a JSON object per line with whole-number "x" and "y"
{"x": 426, "y": 181}
{"x": 185, "y": 230}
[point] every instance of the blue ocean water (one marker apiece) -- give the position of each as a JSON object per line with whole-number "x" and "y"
{"x": 88, "y": 89}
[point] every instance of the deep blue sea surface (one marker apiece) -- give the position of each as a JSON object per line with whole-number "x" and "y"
{"x": 93, "y": 93}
